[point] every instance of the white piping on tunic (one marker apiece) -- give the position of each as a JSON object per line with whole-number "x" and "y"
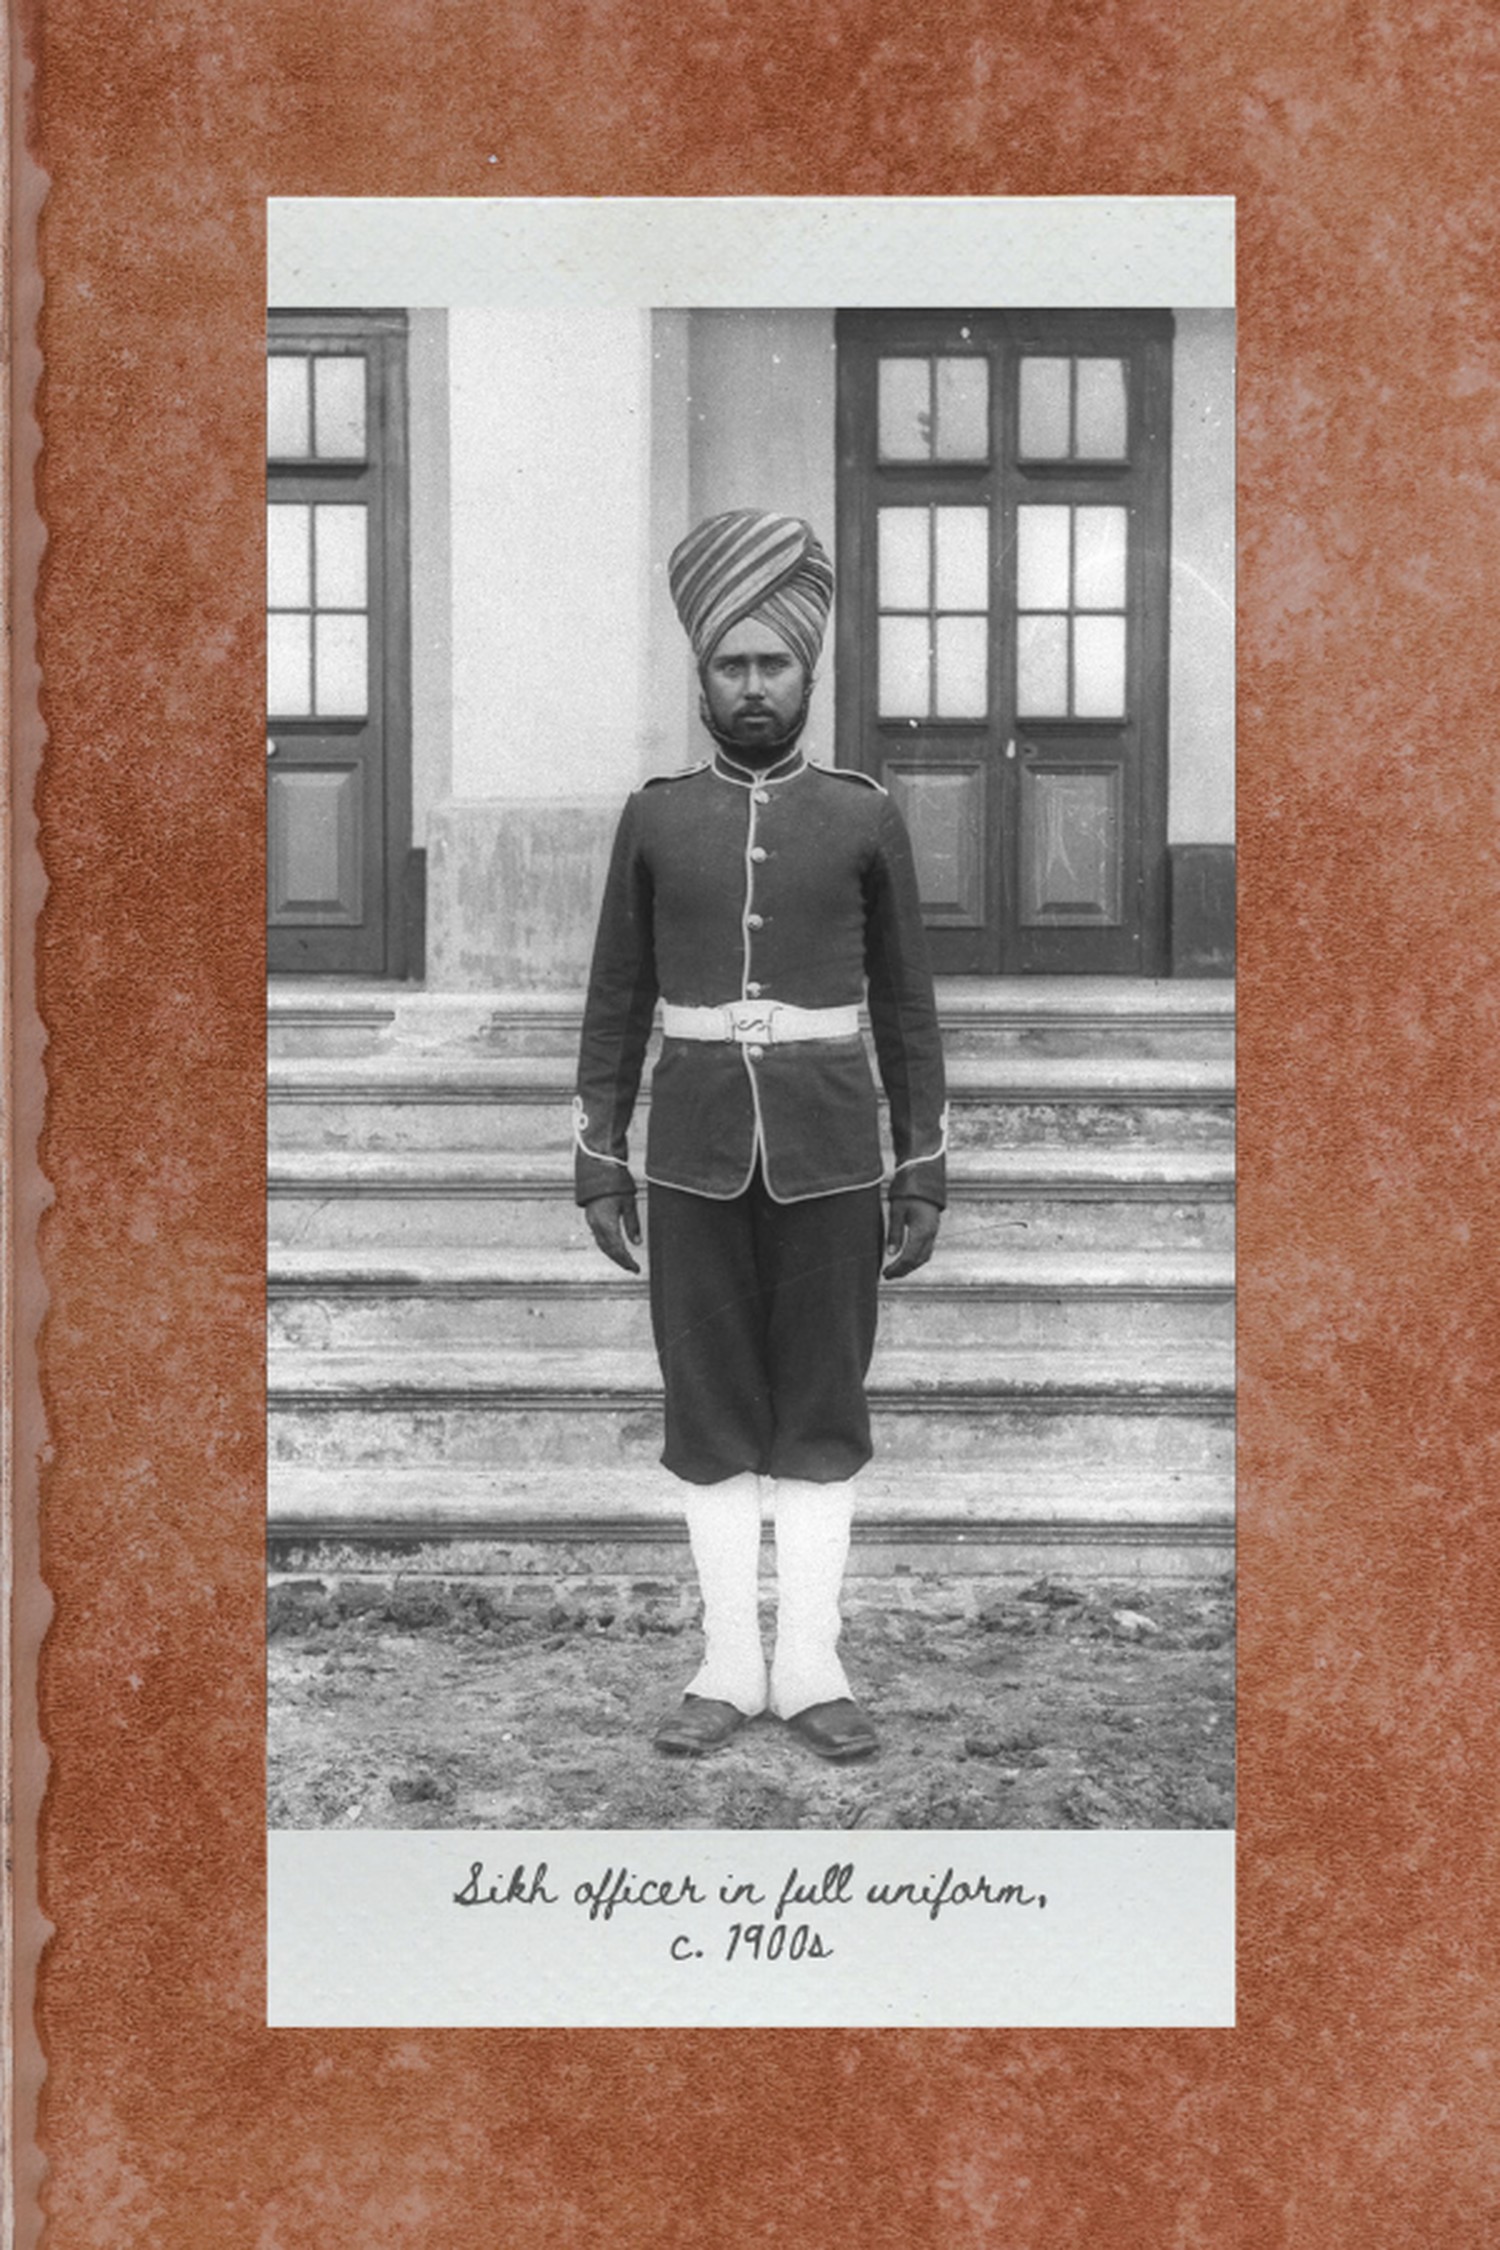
{"x": 580, "y": 1126}
{"x": 749, "y": 895}
{"x": 746, "y": 777}
{"x": 933, "y": 1154}
{"x": 727, "y": 1195}
{"x": 758, "y": 1144}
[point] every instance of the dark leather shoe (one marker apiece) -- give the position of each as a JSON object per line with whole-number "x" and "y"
{"x": 699, "y": 1725}
{"x": 835, "y": 1730}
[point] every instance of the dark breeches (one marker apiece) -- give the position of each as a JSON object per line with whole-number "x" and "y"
{"x": 764, "y": 1318}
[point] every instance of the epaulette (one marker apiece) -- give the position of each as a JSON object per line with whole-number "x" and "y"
{"x": 654, "y": 780}
{"x": 852, "y": 773}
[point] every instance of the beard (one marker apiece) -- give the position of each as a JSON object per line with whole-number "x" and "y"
{"x": 750, "y": 740}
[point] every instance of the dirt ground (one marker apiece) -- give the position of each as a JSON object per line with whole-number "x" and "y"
{"x": 1048, "y": 1705}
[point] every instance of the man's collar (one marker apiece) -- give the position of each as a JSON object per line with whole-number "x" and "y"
{"x": 751, "y": 777}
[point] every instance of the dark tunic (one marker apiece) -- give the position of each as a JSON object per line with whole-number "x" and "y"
{"x": 796, "y": 885}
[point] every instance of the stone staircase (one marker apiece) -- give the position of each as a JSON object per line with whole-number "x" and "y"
{"x": 455, "y": 1371}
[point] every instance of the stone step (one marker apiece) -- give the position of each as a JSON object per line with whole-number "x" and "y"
{"x": 1040, "y": 1197}
{"x": 537, "y": 1536}
{"x": 467, "y": 1297}
{"x": 1035, "y": 1015}
{"x": 637, "y": 1507}
{"x": 1061, "y": 1016}
{"x": 1007, "y": 1437}
{"x": 310, "y": 1026}
{"x": 968, "y": 1406}
{"x": 464, "y": 1101}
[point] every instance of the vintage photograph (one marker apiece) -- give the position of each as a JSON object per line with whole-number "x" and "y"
{"x": 750, "y": 807}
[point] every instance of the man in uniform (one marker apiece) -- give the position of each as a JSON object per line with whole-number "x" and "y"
{"x": 760, "y": 897}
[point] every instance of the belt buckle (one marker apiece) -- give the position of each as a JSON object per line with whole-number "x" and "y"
{"x": 753, "y": 1020}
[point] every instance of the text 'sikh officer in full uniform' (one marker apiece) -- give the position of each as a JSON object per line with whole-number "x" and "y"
{"x": 761, "y": 898}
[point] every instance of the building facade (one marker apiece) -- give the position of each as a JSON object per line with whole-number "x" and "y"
{"x": 473, "y": 656}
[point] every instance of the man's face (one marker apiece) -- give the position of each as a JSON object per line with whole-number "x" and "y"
{"x": 754, "y": 686}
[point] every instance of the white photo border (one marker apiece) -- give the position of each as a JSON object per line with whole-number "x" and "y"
{"x": 367, "y": 1928}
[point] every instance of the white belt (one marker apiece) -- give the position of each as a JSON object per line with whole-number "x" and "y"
{"x": 771, "y": 1023}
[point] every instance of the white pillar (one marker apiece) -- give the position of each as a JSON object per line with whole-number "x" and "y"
{"x": 551, "y": 439}
{"x": 1201, "y": 799}
{"x": 550, "y": 419}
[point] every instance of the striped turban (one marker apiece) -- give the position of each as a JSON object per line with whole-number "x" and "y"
{"x": 749, "y": 564}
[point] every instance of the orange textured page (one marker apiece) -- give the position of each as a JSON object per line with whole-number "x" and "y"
{"x": 1355, "y": 2101}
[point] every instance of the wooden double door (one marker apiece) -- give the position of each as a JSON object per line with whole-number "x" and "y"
{"x": 338, "y": 787}
{"x": 1004, "y": 524}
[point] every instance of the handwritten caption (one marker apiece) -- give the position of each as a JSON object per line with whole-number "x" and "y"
{"x": 799, "y": 1926}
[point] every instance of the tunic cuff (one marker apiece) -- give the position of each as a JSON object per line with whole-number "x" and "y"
{"x": 593, "y": 1178}
{"x": 926, "y": 1178}
{"x": 595, "y": 1173}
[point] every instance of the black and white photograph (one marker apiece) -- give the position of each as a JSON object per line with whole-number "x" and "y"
{"x": 751, "y": 1039}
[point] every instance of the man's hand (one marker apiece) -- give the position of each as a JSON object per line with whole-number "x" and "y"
{"x": 910, "y": 1235}
{"x": 614, "y": 1221}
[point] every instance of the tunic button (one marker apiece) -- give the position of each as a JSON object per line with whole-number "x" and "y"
{"x": 755, "y": 1053}
{"x": 762, "y": 796}
{"x": 755, "y": 990}
{"x": 758, "y": 851}
{"x": 756, "y": 921}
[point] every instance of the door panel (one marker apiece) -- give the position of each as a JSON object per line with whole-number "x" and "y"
{"x": 316, "y": 839}
{"x": 1002, "y": 629}
{"x": 944, "y": 810}
{"x": 338, "y": 699}
{"x": 1070, "y": 845}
